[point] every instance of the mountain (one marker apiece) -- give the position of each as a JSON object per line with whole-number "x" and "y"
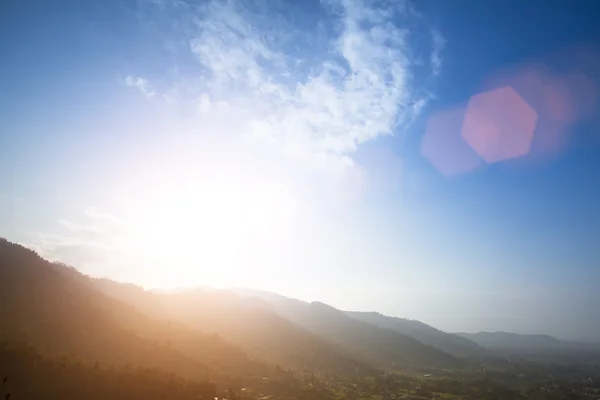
{"x": 452, "y": 344}
{"x": 29, "y": 375}
{"x": 59, "y": 311}
{"x": 381, "y": 347}
{"x": 506, "y": 341}
{"x": 247, "y": 322}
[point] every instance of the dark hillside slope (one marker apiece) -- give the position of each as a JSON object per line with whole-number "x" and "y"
{"x": 58, "y": 310}
{"x": 33, "y": 376}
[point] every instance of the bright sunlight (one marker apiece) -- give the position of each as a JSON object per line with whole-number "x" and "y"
{"x": 213, "y": 230}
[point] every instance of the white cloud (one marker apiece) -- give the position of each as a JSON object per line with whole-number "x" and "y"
{"x": 79, "y": 228}
{"x": 93, "y": 213}
{"x": 311, "y": 92}
{"x": 94, "y": 233}
{"x": 91, "y": 243}
{"x": 316, "y": 97}
{"x": 439, "y": 42}
{"x": 53, "y": 242}
{"x": 140, "y": 84}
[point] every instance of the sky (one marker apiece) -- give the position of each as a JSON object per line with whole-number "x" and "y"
{"x": 434, "y": 160}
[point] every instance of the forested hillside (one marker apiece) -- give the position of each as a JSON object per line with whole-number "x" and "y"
{"x": 58, "y": 310}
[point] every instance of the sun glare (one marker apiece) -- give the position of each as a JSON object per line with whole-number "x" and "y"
{"x": 210, "y": 232}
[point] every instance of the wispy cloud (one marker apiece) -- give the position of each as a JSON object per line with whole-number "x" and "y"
{"x": 95, "y": 214}
{"x": 311, "y": 90}
{"x": 74, "y": 248}
{"x": 439, "y": 42}
{"x": 316, "y": 97}
{"x": 140, "y": 84}
{"x": 91, "y": 241}
{"x": 53, "y": 242}
{"x": 78, "y": 228}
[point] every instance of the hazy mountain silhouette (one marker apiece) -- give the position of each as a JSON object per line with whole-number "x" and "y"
{"x": 59, "y": 310}
{"x": 382, "y": 347}
{"x": 248, "y": 322}
{"x": 62, "y": 311}
{"x": 506, "y": 341}
{"x": 452, "y": 344}
{"x": 66, "y": 335}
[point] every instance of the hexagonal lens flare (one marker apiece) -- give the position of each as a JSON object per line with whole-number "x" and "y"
{"x": 499, "y": 125}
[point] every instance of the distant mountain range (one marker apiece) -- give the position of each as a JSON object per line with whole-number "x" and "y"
{"x": 384, "y": 348}
{"x": 452, "y": 344}
{"x": 506, "y": 341}
{"x": 211, "y": 333}
{"x": 248, "y": 323}
{"x": 285, "y": 331}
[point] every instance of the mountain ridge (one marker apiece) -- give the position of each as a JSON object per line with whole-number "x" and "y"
{"x": 57, "y": 309}
{"x": 232, "y": 330}
{"x": 452, "y": 344}
{"x": 248, "y": 323}
{"x": 503, "y": 341}
{"x": 381, "y": 347}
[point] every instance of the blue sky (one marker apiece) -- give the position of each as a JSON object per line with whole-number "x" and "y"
{"x": 336, "y": 151}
